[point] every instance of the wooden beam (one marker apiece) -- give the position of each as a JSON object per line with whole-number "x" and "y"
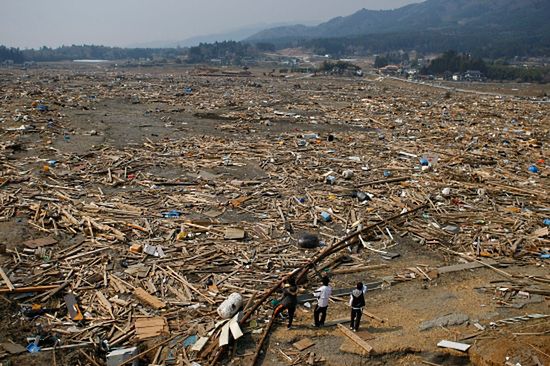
{"x": 234, "y": 327}
{"x": 149, "y": 299}
{"x": 355, "y": 338}
{"x": 28, "y": 289}
{"x": 6, "y": 279}
{"x": 262, "y": 341}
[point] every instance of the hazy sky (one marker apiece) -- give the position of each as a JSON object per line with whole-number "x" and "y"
{"x": 33, "y": 23}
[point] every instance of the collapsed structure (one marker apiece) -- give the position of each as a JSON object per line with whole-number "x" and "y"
{"x": 131, "y": 210}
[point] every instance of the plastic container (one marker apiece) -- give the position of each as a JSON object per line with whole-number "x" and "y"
{"x": 325, "y": 216}
{"x": 173, "y": 214}
{"x": 230, "y": 306}
{"x": 330, "y": 179}
{"x": 533, "y": 169}
{"x": 347, "y": 174}
{"x": 361, "y": 196}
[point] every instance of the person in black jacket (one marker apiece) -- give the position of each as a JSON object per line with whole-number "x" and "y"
{"x": 357, "y": 302}
{"x": 289, "y": 301}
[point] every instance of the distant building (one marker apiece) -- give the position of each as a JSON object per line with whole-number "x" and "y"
{"x": 412, "y": 74}
{"x": 473, "y": 75}
{"x": 389, "y": 70}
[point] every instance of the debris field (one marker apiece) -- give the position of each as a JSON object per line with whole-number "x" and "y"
{"x": 135, "y": 201}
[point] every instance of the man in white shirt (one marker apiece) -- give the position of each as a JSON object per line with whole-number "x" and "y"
{"x": 322, "y": 294}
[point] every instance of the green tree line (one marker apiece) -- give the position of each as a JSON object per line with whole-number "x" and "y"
{"x": 75, "y": 52}
{"x": 451, "y": 61}
{"x": 13, "y": 54}
{"x": 230, "y": 52}
{"x": 483, "y": 44}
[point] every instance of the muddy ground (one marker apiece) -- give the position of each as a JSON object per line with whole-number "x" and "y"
{"x": 122, "y": 119}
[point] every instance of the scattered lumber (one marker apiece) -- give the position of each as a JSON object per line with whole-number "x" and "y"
{"x": 146, "y": 236}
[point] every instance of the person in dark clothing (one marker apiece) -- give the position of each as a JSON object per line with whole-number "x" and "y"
{"x": 357, "y": 302}
{"x": 289, "y": 301}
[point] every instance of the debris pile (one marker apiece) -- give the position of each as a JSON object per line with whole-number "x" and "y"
{"x": 112, "y": 241}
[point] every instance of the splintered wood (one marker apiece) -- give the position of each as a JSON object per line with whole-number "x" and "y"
{"x": 149, "y": 299}
{"x": 140, "y": 209}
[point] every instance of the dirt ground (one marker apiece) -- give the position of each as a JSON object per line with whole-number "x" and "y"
{"x": 121, "y": 119}
{"x": 398, "y": 340}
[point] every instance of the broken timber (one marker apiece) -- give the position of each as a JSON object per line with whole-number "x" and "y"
{"x": 300, "y": 272}
{"x": 355, "y": 338}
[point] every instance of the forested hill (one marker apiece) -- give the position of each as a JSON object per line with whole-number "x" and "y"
{"x": 468, "y": 23}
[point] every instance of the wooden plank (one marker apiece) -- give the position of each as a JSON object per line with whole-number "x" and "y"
{"x": 13, "y": 348}
{"x": 224, "y": 336}
{"x": 105, "y": 303}
{"x": 234, "y": 233}
{"x": 463, "y": 266}
{"x": 355, "y": 338}
{"x": 198, "y": 346}
{"x": 358, "y": 269}
{"x": 303, "y": 344}
{"x": 372, "y": 316}
{"x": 151, "y": 322}
{"x": 335, "y": 322}
{"x": 6, "y": 280}
{"x": 349, "y": 346}
{"x": 28, "y": 289}
{"x": 454, "y": 345}
{"x": 148, "y": 299}
{"x": 235, "y": 328}
{"x": 151, "y": 327}
{"x": 41, "y": 242}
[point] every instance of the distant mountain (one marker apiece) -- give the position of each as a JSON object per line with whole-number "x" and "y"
{"x": 237, "y": 34}
{"x": 481, "y": 17}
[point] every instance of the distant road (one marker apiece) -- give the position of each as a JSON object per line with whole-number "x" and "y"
{"x": 470, "y": 91}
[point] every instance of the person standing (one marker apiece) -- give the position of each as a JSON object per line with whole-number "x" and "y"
{"x": 289, "y": 301}
{"x": 357, "y": 302}
{"x": 322, "y": 294}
